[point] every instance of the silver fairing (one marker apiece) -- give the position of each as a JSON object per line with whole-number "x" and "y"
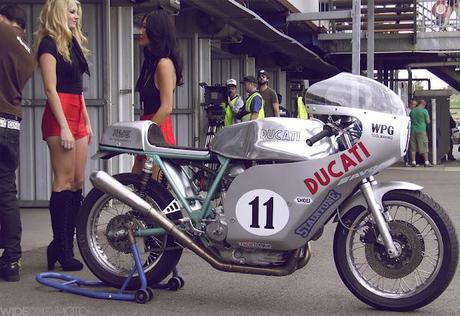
{"x": 282, "y": 139}
{"x": 303, "y": 195}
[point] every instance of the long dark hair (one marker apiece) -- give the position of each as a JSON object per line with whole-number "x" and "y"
{"x": 163, "y": 43}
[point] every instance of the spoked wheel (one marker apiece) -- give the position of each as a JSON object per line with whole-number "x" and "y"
{"x": 102, "y": 226}
{"x": 427, "y": 253}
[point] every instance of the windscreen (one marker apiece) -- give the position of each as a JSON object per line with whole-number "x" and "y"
{"x": 352, "y": 91}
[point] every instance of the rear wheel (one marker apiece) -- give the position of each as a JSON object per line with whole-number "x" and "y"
{"x": 105, "y": 247}
{"x": 428, "y": 253}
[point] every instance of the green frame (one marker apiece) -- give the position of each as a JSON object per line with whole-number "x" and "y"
{"x": 158, "y": 158}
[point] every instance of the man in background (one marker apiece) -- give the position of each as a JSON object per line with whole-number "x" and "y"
{"x": 271, "y": 104}
{"x": 16, "y": 67}
{"x": 253, "y": 108}
{"x": 452, "y": 125}
{"x": 418, "y": 138}
{"x": 412, "y": 104}
{"x": 233, "y": 104}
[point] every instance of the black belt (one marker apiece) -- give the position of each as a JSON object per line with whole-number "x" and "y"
{"x": 11, "y": 117}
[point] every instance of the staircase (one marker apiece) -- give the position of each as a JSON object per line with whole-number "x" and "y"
{"x": 391, "y": 16}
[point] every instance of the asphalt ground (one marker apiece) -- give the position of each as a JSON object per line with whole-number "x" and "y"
{"x": 314, "y": 290}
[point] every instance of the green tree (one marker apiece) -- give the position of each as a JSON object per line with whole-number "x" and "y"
{"x": 455, "y": 101}
{"x": 417, "y": 86}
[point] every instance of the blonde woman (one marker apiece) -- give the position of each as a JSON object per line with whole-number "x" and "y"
{"x": 66, "y": 127}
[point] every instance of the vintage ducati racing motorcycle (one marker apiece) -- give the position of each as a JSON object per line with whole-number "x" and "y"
{"x": 263, "y": 191}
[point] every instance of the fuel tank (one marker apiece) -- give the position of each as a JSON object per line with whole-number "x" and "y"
{"x": 280, "y": 139}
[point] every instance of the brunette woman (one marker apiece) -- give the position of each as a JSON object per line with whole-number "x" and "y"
{"x": 161, "y": 73}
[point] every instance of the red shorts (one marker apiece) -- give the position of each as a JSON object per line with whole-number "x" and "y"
{"x": 166, "y": 130}
{"x": 72, "y": 105}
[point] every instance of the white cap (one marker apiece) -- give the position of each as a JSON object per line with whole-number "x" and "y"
{"x": 231, "y": 82}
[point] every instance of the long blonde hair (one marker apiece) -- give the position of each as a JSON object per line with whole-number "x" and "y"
{"x": 53, "y": 23}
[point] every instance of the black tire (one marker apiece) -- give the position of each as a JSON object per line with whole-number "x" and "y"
{"x": 182, "y": 281}
{"x": 151, "y": 293}
{"x": 359, "y": 281}
{"x": 142, "y": 296}
{"x": 174, "y": 284}
{"x": 95, "y": 256}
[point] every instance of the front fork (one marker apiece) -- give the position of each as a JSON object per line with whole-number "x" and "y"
{"x": 377, "y": 214}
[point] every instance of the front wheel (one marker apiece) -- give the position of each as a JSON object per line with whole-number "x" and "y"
{"x": 428, "y": 253}
{"x": 106, "y": 250}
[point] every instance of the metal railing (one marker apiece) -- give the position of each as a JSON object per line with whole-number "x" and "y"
{"x": 438, "y": 16}
{"x": 391, "y": 16}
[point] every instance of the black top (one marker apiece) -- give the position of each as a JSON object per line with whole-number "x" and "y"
{"x": 148, "y": 92}
{"x": 69, "y": 76}
{"x": 16, "y": 67}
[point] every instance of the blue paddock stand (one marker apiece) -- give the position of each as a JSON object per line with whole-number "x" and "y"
{"x": 142, "y": 295}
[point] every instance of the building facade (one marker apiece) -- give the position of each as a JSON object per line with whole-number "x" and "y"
{"x": 215, "y": 43}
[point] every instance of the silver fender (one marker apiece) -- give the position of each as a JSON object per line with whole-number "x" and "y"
{"x": 380, "y": 189}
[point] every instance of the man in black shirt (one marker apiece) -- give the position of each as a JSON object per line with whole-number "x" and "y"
{"x": 16, "y": 67}
{"x": 271, "y": 104}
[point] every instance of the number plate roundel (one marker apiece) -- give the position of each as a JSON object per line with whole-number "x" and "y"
{"x": 262, "y": 212}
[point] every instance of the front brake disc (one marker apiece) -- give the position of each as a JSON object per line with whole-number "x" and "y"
{"x": 411, "y": 245}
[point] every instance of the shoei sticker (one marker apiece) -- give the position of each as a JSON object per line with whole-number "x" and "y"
{"x": 262, "y": 212}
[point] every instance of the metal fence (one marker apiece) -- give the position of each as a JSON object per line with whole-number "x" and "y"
{"x": 396, "y": 16}
{"x": 435, "y": 15}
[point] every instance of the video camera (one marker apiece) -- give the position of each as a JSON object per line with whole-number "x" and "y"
{"x": 214, "y": 96}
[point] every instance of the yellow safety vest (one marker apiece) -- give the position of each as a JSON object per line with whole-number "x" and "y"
{"x": 247, "y": 107}
{"x": 301, "y": 112}
{"x": 228, "y": 108}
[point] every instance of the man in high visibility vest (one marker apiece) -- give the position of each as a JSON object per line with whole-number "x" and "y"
{"x": 234, "y": 103}
{"x": 254, "y": 105}
{"x": 301, "y": 111}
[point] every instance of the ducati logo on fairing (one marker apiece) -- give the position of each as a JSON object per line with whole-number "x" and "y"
{"x": 280, "y": 134}
{"x": 304, "y": 229}
{"x": 382, "y": 131}
{"x": 338, "y": 167}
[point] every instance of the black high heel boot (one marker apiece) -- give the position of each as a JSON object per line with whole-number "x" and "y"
{"x": 76, "y": 204}
{"x": 59, "y": 249}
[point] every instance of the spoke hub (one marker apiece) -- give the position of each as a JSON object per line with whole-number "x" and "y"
{"x": 410, "y": 246}
{"x": 117, "y": 231}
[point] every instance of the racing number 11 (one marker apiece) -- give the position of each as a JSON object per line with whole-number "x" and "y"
{"x": 255, "y": 213}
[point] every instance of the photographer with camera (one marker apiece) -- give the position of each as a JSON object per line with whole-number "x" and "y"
{"x": 254, "y": 105}
{"x": 233, "y": 104}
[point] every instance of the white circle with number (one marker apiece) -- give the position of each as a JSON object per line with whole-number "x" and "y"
{"x": 262, "y": 212}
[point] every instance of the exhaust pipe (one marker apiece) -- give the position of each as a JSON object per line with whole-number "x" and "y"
{"x": 102, "y": 181}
